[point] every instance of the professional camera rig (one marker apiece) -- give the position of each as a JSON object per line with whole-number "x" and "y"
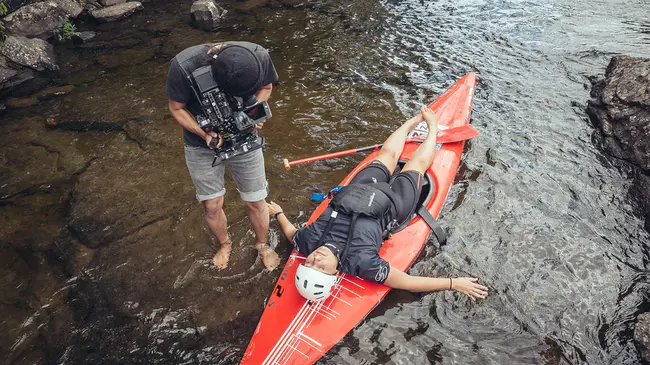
{"x": 232, "y": 117}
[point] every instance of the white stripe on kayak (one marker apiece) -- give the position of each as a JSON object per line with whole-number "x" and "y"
{"x": 302, "y": 316}
{"x": 306, "y": 321}
{"x": 273, "y": 354}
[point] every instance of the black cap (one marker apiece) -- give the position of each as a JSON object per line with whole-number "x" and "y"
{"x": 237, "y": 70}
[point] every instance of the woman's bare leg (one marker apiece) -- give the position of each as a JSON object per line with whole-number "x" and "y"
{"x": 394, "y": 144}
{"x": 423, "y": 157}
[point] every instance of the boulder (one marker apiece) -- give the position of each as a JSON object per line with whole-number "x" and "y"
{"x": 116, "y": 12}
{"x": 30, "y": 52}
{"x": 41, "y": 18}
{"x": 207, "y": 14}
{"x": 642, "y": 335}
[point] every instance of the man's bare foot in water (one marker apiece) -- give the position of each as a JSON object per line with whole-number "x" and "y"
{"x": 430, "y": 117}
{"x": 223, "y": 255}
{"x": 270, "y": 259}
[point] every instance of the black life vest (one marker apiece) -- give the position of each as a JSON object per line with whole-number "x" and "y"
{"x": 372, "y": 200}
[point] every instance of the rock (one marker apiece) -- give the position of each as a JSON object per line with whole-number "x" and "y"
{"x": 41, "y": 18}
{"x": 20, "y": 102}
{"x": 642, "y": 335}
{"x": 107, "y": 3}
{"x": 81, "y": 37}
{"x": 23, "y": 76}
{"x": 6, "y": 74}
{"x": 207, "y": 14}
{"x": 51, "y": 92}
{"x": 116, "y": 12}
{"x": 30, "y": 52}
{"x": 621, "y": 109}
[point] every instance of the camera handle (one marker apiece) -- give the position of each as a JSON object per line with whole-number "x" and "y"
{"x": 213, "y": 142}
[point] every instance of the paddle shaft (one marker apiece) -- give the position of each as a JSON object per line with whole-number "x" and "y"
{"x": 443, "y": 136}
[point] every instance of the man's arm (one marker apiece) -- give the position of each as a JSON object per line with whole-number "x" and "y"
{"x": 264, "y": 93}
{"x": 287, "y": 228}
{"x": 400, "y": 280}
{"x": 187, "y": 121}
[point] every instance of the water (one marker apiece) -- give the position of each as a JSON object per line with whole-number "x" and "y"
{"x": 538, "y": 213}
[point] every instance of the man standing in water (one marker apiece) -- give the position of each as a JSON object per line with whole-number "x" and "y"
{"x": 240, "y": 69}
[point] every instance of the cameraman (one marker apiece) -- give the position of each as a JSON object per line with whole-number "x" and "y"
{"x": 240, "y": 69}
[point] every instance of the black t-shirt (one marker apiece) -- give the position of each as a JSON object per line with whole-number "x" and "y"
{"x": 179, "y": 86}
{"x": 363, "y": 255}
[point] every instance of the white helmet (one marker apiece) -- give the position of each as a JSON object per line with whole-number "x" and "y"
{"x": 313, "y": 284}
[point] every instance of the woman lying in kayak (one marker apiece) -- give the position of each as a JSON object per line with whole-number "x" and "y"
{"x": 358, "y": 254}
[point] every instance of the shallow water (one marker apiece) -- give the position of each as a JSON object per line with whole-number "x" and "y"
{"x": 538, "y": 213}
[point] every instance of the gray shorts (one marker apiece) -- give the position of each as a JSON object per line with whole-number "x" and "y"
{"x": 247, "y": 170}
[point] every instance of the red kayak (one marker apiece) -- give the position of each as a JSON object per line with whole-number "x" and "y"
{"x": 295, "y": 331}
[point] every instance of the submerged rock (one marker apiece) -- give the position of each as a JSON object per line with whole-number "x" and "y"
{"x": 111, "y": 2}
{"x": 82, "y": 37}
{"x": 207, "y": 14}
{"x": 116, "y": 12}
{"x": 41, "y": 18}
{"x": 620, "y": 109}
{"x": 30, "y": 52}
{"x": 642, "y": 335}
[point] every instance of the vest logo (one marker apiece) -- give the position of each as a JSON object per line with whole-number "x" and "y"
{"x": 372, "y": 198}
{"x": 382, "y": 274}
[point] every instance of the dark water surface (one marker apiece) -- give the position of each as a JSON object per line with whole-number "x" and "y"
{"x": 538, "y": 213}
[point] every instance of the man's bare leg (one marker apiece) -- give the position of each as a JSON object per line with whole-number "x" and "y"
{"x": 218, "y": 225}
{"x": 258, "y": 213}
{"x": 422, "y": 158}
{"x": 394, "y": 144}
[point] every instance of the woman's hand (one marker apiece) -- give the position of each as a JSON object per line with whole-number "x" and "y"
{"x": 470, "y": 287}
{"x": 274, "y": 208}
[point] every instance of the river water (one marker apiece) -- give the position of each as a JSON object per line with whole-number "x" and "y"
{"x": 538, "y": 212}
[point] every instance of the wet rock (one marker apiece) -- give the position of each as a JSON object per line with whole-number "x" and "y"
{"x": 40, "y": 96}
{"x": 30, "y": 52}
{"x": 81, "y": 37}
{"x": 207, "y": 14}
{"x": 20, "y": 102}
{"x": 620, "y": 109}
{"x": 54, "y": 91}
{"x": 111, "y": 2}
{"x": 6, "y": 73}
{"x": 116, "y": 12}
{"x": 41, "y": 18}
{"x": 642, "y": 335}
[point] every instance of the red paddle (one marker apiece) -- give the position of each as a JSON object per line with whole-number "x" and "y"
{"x": 450, "y": 135}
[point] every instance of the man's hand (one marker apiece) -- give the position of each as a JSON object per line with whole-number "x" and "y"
{"x": 259, "y": 125}
{"x": 470, "y": 287}
{"x": 212, "y": 135}
{"x": 274, "y": 208}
